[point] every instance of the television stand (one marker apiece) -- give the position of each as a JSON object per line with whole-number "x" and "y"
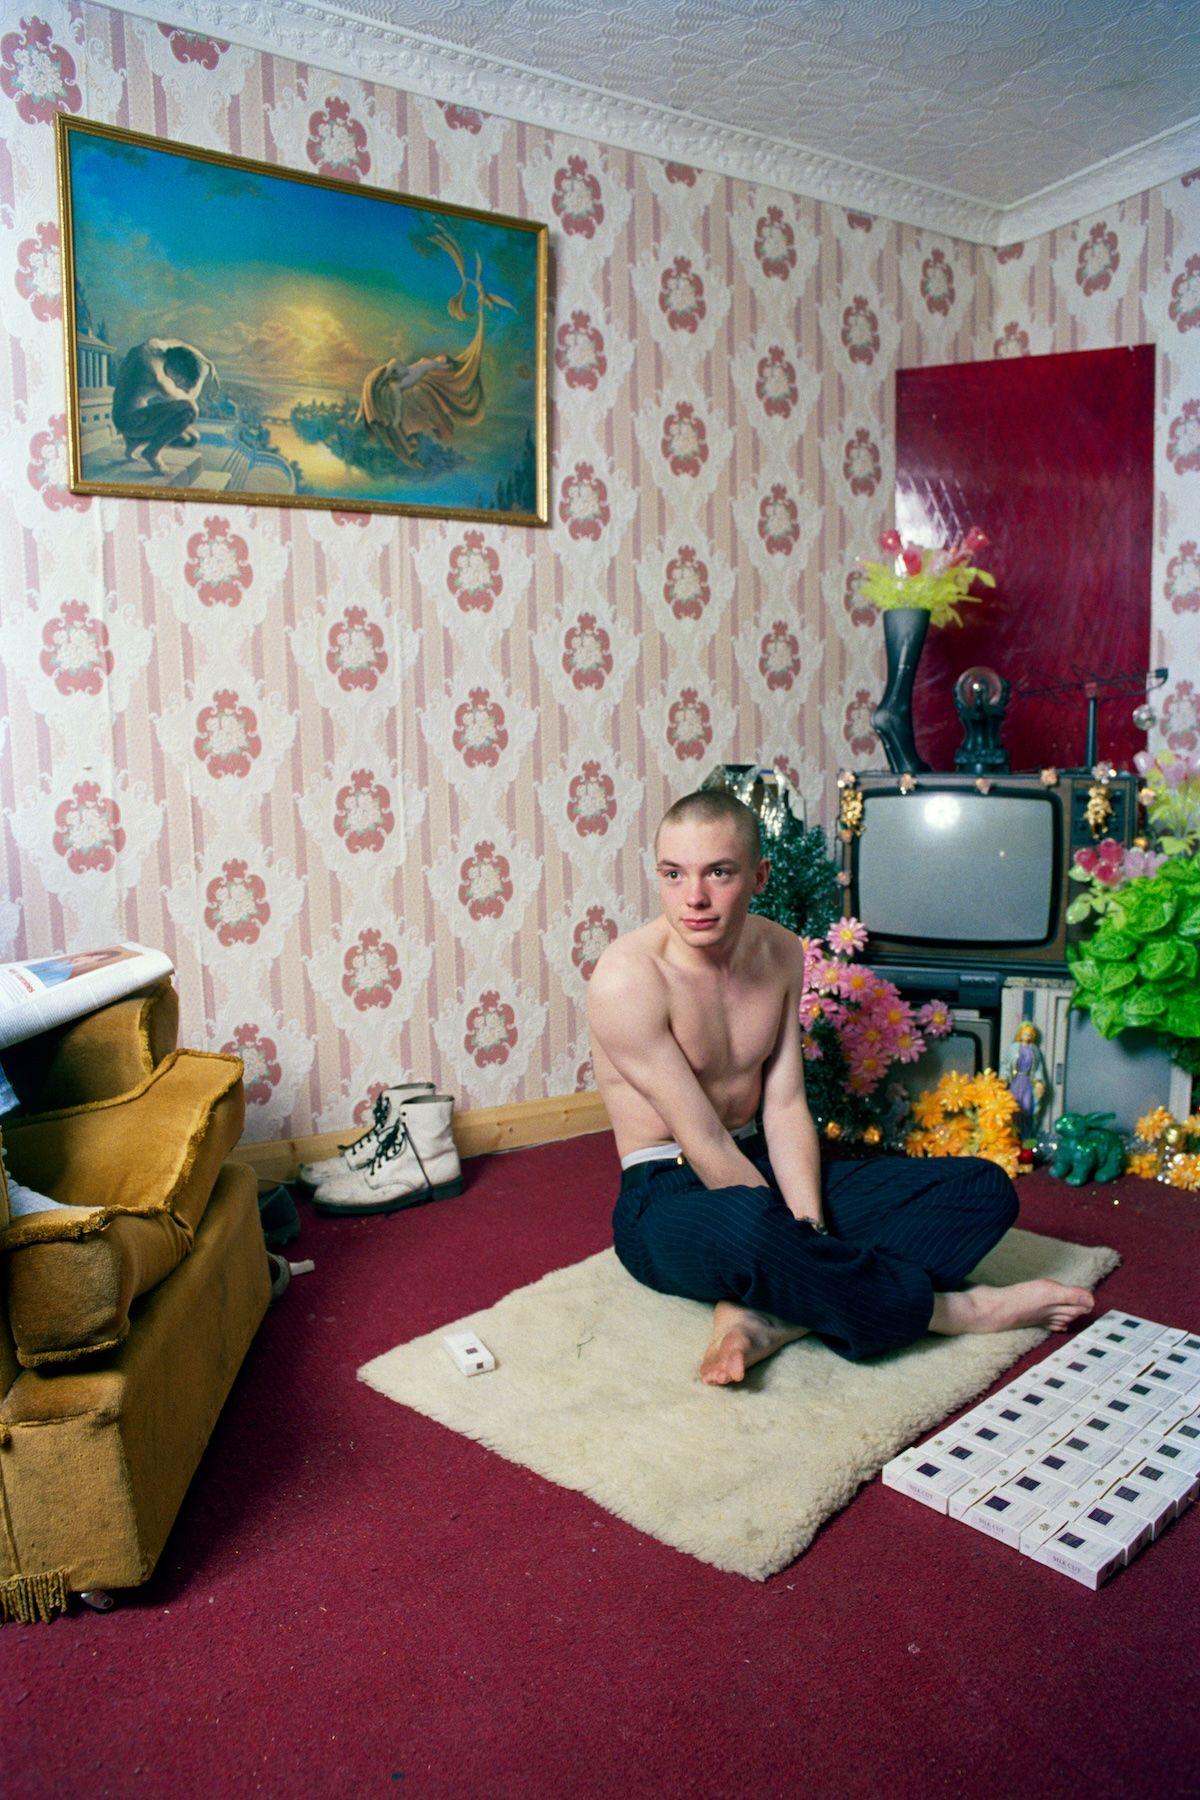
{"x": 1126, "y": 1076}
{"x": 978, "y": 986}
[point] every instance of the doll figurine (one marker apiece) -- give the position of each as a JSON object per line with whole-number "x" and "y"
{"x": 1023, "y": 1071}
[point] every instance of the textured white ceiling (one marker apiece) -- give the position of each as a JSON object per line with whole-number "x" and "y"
{"x": 992, "y": 98}
{"x": 981, "y": 116}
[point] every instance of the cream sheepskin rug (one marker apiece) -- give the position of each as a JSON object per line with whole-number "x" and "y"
{"x": 595, "y": 1388}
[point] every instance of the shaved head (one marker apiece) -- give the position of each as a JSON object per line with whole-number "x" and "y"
{"x": 716, "y": 806}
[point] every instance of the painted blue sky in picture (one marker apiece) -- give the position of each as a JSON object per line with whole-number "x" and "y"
{"x": 296, "y": 292}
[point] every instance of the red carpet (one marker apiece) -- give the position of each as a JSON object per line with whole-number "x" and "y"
{"x": 356, "y": 1601}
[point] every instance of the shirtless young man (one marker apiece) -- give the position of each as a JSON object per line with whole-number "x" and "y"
{"x": 695, "y": 1028}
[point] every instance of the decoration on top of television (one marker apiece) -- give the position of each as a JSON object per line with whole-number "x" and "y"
{"x": 938, "y": 581}
{"x": 283, "y": 339}
{"x": 850, "y": 805}
{"x": 980, "y": 700}
{"x": 1095, "y": 689}
{"x": 922, "y": 585}
{"x": 1098, "y": 810}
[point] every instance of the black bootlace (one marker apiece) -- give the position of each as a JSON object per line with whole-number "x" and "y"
{"x": 393, "y": 1144}
{"x": 381, "y": 1108}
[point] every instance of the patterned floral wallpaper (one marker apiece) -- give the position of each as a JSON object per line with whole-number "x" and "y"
{"x": 384, "y": 788}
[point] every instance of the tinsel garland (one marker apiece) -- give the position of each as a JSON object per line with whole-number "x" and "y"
{"x": 802, "y": 890}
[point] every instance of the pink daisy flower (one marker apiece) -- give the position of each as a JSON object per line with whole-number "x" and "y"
{"x": 934, "y": 1019}
{"x": 847, "y": 937}
{"x": 828, "y": 975}
{"x": 854, "y": 983}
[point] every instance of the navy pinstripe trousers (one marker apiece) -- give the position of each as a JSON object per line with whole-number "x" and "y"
{"x": 900, "y": 1229}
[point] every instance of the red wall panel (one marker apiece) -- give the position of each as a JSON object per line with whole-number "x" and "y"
{"x": 1053, "y": 457}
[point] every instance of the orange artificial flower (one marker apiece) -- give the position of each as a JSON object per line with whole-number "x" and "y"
{"x": 1151, "y": 1125}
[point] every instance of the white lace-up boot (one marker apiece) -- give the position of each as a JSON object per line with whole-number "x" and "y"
{"x": 358, "y": 1154}
{"x": 416, "y": 1161}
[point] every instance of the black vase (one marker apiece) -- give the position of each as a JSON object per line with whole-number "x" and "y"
{"x": 904, "y": 629}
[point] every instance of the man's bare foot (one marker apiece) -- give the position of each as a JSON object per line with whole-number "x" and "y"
{"x": 741, "y": 1338}
{"x": 1043, "y": 1303}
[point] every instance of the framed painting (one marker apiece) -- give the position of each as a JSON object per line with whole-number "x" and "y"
{"x": 280, "y": 339}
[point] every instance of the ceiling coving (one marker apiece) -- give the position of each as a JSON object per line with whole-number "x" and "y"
{"x": 988, "y": 119}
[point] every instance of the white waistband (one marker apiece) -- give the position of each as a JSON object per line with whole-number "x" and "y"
{"x": 669, "y": 1152}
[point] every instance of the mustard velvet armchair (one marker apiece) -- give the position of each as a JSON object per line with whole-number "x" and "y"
{"x": 127, "y": 1310}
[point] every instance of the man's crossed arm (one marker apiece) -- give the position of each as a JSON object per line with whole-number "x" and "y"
{"x": 630, "y": 1020}
{"x": 787, "y": 1123}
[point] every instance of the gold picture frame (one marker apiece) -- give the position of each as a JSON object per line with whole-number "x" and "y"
{"x": 249, "y": 333}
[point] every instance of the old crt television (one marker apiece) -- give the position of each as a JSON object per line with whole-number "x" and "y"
{"x": 947, "y": 877}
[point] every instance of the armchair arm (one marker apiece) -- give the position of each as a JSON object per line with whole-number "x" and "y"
{"x": 103, "y": 1054}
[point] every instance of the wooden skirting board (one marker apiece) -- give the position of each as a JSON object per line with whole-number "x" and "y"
{"x": 480, "y": 1132}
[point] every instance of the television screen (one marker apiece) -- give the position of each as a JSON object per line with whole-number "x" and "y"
{"x": 958, "y": 867}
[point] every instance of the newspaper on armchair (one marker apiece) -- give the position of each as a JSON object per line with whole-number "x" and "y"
{"x": 50, "y": 990}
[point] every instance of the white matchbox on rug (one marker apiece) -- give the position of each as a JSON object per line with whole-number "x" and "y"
{"x": 1041, "y": 1529}
{"x": 1169, "y": 1380}
{"x": 1125, "y": 1333}
{"x": 1148, "y": 1393}
{"x": 1110, "y": 1426}
{"x": 1087, "y": 1485}
{"x": 1092, "y": 1446}
{"x": 468, "y": 1353}
{"x": 1046, "y": 1442}
{"x": 1011, "y": 1415}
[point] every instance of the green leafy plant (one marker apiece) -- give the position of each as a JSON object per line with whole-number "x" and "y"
{"x": 1140, "y": 966}
{"x": 938, "y": 581}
